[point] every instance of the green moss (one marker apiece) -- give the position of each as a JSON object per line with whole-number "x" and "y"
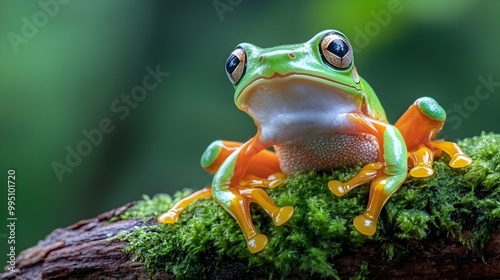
{"x": 207, "y": 241}
{"x": 363, "y": 273}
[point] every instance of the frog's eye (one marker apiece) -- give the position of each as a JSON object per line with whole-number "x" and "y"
{"x": 336, "y": 50}
{"x": 235, "y": 65}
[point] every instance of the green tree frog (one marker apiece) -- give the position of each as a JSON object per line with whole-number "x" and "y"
{"x": 309, "y": 103}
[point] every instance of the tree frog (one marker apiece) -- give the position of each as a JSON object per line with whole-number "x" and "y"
{"x": 309, "y": 103}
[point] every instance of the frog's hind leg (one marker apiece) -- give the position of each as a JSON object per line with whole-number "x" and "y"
{"x": 263, "y": 171}
{"x": 172, "y": 215}
{"x": 420, "y": 125}
{"x": 458, "y": 157}
{"x": 424, "y": 155}
{"x": 367, "y": 174}
{"x": 262, "y": 165}
{"x": 422, "y": 160}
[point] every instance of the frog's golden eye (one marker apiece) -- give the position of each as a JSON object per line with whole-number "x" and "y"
{"x": 336, "y": 50}
{"x": 235, "y": 65}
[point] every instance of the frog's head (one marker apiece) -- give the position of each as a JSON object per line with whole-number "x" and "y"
{"x": 322, "y": 67}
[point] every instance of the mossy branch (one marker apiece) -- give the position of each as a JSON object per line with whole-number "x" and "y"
{"x": 445, "y": 226}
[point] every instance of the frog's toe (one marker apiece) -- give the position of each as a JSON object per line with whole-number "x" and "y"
{"x": 256, "y": 243}
{"x": 168, "y": 217}
{"x": 283, "y": 215}
{"x": 365, "y": 225}
{"x": 421, "y": 171}
{"x": 272, "y": 181}
{"x": 336, "y": 188}
{"x": 276, "y": 179}
{"x": 460, "y": 160}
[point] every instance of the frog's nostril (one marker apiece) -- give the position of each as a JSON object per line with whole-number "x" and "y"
{"x": 260, "y": 59}
{"x": 291, "y": 55}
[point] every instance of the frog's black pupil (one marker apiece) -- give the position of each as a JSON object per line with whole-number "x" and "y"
{"x": 338, "y": 47}
{"x": 231, "y": 63}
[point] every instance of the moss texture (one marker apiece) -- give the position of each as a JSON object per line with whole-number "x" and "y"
{"x": 206, "y": 238}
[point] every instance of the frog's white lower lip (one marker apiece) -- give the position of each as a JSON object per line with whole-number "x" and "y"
{"x": 290, "y": 85}
{"x": 291, "y": 79}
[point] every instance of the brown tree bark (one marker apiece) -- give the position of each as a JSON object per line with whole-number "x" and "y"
{"x": 85, "y": 250}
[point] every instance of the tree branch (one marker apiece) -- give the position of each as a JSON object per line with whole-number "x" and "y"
{"x": 85, "y": 250}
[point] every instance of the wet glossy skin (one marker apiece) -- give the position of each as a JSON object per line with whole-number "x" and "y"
{"x": 310, "y": 104}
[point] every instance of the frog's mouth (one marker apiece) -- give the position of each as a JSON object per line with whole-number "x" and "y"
{"x": 297, "y": 91}
{"x": 298, "y": 100}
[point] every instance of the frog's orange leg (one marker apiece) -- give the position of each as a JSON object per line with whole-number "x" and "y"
{"x": 172, "y": 215}
{"x": 263, "y": 171}
{"x": 367, "y": 174}
{"x": 265, "y": 164}
{"x": 270, "y": 182}
{"x": 423, "y": 157}
{"x": 279, "y": 215}
{"x": 388, "y": 174}
{"x": 422, "y": 160}
{"x": 421, "y": 123}
{"x": 239, "y": 168}
{"x": 419, "y": 126}
{"x": 228, "y": 192}
{"x": 262, "y": 165}
{"x": 458, "y": 157}
{"x": 380, "y": 191}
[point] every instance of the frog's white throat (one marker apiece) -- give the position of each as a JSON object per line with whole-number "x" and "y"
{"x": 290, "y": 108}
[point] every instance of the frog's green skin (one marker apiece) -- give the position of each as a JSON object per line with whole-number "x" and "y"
{"x": 310, "y": 104}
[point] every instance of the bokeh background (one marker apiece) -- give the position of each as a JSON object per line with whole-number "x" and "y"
{"x": 62, "y": 74}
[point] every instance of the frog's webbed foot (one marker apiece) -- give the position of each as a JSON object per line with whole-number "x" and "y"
{"x": 271, "y": 182}
{"x": 172, "y": 215}
{"x": 458, "y": 158}
{"x": 279, "y": 215}
{"x": 382, "y": 187}
{"x": 423, "y": 157}
{"x": 366, "y": 174}
{"x": 380, "y": 191}
{"x": 237, "y": 201}
{"x": 422, "y": 162}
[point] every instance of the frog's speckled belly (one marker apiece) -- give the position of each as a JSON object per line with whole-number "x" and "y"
{"x": 327, "y": 152}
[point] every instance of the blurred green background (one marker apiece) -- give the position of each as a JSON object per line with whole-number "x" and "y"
{"x": 63, "y": 64}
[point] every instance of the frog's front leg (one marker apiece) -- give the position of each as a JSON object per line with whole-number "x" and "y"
{"x": 263, "y": 171}
{"x": 236, "y": 199}
{"x": 420, "y": 125}
{"x": 388, "y": 174}
{"x": 367, "y": 174}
